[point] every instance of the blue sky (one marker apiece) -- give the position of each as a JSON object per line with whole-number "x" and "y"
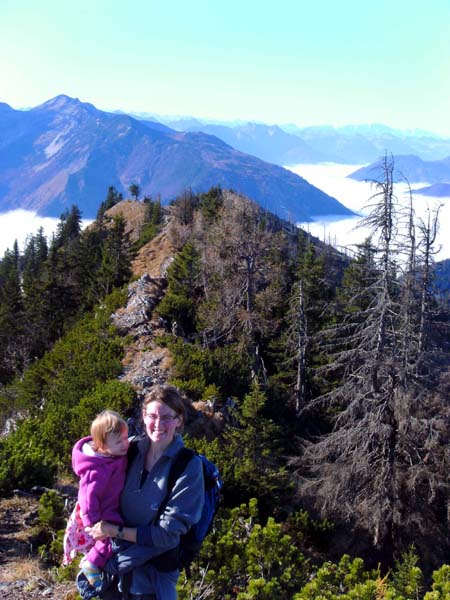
{"x": 291, "y": 61}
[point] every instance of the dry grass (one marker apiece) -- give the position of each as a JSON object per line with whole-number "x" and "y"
{"x": 23, "y": 576}
{"x": 133, "y": 212}
{"x": 21, "y": 503}
{"x": 22, "y": 569}
{"x": 154, "y": 257}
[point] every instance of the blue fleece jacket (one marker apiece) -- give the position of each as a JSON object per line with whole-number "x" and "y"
{"x": 140, "y": 501}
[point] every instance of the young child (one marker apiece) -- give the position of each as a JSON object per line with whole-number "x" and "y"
{"x": 100, "y": 461}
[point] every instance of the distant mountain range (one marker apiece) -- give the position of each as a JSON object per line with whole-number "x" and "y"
{"x": 437, "y": 190}
{"x": 414, "y": 170}
{"x": 289, "y": 144}
{"x": 67, "y": 152}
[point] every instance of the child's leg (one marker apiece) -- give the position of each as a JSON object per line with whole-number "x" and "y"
{"x": 94, "y": 561}
{"x": 92, "y": 573}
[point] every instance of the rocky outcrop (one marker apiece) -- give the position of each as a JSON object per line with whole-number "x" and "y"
{"x": 145, "y": 363}
{"x": 143, "y": 295}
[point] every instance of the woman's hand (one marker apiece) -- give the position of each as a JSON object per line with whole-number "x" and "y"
{"x": 101, "y": 530}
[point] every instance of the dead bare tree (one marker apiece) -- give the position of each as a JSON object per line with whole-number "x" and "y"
{"x": 307, "y": 305}
{"x": 302, "y": 345}
{"x": 428, "y": 232}
{"x": 239, "y": 276}
{"x": 381, "y": 466}
{"x": 408, "y": 301}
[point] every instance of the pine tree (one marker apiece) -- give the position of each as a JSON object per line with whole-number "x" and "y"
{"x": 179, "y": 303}
{"x": 134, "y": 190}
{"x": 112, "y": 198}
{"x": 12, "y": 341}
{"x": 241, "y": 278}
{"x": 33, "y": 278}
{"x": 69, "y": 227}
{"x": 116, "y": 255}
{"x": 310, "y": 294}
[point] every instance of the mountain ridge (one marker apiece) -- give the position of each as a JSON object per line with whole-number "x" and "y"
{"x": 409, "y": 167}
{"x": 348, "y": 144}
{"x": 65, "y": 152}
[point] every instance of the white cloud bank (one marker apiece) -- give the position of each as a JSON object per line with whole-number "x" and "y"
{"x": 19, "y": 224}
{"x": 332, "y": 179}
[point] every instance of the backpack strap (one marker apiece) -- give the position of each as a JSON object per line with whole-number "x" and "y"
{"x": 177, "y": 468}
{"x": 170, "y": 560}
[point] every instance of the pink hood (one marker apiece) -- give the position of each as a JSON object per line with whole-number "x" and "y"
{"x": 101, "y": 482}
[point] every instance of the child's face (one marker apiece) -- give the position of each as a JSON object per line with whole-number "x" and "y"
{"x": 117, "y": 443}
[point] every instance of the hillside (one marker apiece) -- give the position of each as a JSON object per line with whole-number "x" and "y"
{"x": 411, "y": 167}
{"x": 66, "y": 152}
{"x": 301, "y": 370}
{"x": 438, "y": 190}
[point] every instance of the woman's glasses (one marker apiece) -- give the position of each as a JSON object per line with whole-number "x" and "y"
{"x": 162, "y": 418}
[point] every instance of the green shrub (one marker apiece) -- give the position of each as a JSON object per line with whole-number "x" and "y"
{"x": 79, "y": 369}
{"x": 49, "y": 533}
{"x": 25, "y": 461}
{"x": 244, "y": 558}
{"x": 67, "y": 572}
{"x": 440, "y": 589}
{"x": 148, "y": 232}
{"x": 51, "y": 552}
{"x": 406, "y": 578}
{"x": 112, "y": 394}
{"x": 300, "y": 525}
{"x": 51, "y": 510}
{"x": 346, "y": 580}
{"x": 195, "y": 368}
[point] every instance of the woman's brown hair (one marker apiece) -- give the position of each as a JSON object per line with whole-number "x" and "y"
{"x": 169, "y": 395}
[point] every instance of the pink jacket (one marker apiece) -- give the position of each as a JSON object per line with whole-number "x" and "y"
{"x": 101, "y": 482}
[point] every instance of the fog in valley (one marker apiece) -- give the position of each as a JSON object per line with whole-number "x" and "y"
{"x": 331, "y": 178}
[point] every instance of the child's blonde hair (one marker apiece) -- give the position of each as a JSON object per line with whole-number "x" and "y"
{"x": 108, "y": 421}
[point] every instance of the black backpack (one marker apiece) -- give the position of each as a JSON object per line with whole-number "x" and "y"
{"x": 191, "y": 542}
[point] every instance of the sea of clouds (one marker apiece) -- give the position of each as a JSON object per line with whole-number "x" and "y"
{"x": 20, "y": 224}
{"x": 331, "y": 178}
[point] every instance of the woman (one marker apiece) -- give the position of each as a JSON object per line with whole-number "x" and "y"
{"x": 149, "y": 535}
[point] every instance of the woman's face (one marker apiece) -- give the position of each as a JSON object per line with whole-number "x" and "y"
{"x": 161, "y": 422}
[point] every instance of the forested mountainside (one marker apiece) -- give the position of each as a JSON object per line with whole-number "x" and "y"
{"x": 317, "y": 383}
{"x": 66, "y": 152}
